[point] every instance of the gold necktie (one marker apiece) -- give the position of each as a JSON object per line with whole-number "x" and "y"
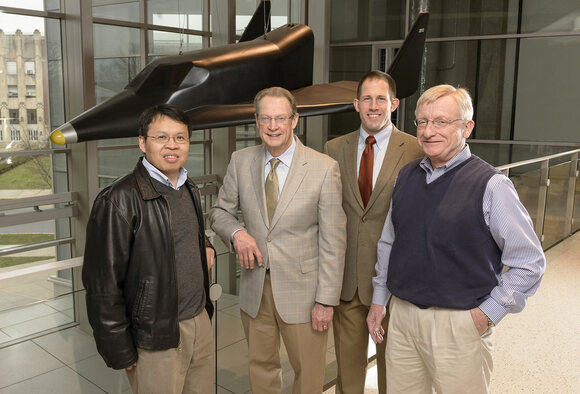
{"x": 272, "y": 188}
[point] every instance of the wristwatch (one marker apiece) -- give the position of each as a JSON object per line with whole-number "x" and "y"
{"x": 489, "y": 322}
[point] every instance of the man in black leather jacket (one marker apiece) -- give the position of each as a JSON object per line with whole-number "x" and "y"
{"x": 146, "y": 266}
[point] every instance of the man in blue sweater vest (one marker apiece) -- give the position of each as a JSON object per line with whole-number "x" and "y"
{"x": 455, "y": 222}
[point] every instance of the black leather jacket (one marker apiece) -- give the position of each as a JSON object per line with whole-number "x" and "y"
{"x": 129, "y": 269}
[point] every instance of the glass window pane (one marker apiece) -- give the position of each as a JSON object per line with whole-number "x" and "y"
{"x": 117, "y": 59}
{"x": 244, "y": 11}
{"x": 11, "y": 68}
{"x": 25, "y": 47}
{"x": 122, "y": 10}
{"x": 111, "y": 41}
{"x": 29, "y": 68}
{"x": 546, "y": 110}
{"x": 175, "y": 13}
{"x": 11, "y": 23}
{"x": 279, "y": 13}
{"x": 555, "y": 216}
{"x": 366, "y": 20}
{"x": 195, "y": 164}
{"x": 166, "y": 43}
{"x": 116, "y": 163}
{"x": 453, "y": 63}
{"x": 452, "y": 18}
{"x": 37, "y": 5}
{"x": 550, "y": 16}
{"x": 350, "y": 64}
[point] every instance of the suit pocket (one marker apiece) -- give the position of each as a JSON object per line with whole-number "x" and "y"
{"x": 308, "y": 265}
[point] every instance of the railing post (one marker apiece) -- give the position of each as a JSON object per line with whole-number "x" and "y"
{"x": 570, "y": 194}
{"x": 542, "y": 198}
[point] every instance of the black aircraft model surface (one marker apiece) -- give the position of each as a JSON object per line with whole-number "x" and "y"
{"x": 215, "y": 87}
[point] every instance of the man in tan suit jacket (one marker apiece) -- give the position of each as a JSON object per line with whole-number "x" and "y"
{"x": 292, "y": 264}
{"x": 376, "y": 100}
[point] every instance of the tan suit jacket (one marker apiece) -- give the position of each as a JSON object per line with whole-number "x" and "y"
{"x": 364, "y": 225}
{"x": 305, "y": 243}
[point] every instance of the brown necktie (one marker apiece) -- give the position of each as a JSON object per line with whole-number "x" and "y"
{"x": 271, "y": 187}
{"x": 365, "y": 173}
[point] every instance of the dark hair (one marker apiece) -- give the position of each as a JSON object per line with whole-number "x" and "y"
{"x": 152, "y": 113}
{"x": 376, "y": 74}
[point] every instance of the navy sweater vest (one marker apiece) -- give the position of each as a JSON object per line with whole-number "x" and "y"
{"x": 443, "y": 254}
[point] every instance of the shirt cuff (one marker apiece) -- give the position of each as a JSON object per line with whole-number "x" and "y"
{"x": 381, "y": 296}
{"x": 494, "y": 310}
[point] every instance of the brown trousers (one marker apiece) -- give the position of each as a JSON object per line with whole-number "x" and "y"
{"x": 351, "y": 341}
{"x": 306, "y": 350}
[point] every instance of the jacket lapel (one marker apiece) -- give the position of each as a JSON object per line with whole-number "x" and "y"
{"x": 395, "y": 150}
{"x": 257, "y": 171}
{"x": 298, "y": 170}
{"x": 349, "y": 151}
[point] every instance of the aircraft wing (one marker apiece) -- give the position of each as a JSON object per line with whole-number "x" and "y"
{"x": 322, "y": 99}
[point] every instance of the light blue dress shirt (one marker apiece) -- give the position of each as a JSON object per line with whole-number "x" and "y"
{"x": 512, "y": 229}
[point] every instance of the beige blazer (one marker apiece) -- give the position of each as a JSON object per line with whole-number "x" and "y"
{"x": 364, "y": 225}
{"x": 306, "y": 241}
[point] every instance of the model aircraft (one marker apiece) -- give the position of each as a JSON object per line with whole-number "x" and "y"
{"x": 215, "y": 87}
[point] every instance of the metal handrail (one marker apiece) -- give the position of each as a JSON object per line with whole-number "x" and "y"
{"x": 538, "y": 160}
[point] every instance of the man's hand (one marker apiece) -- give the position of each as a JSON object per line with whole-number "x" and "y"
{"x": 210, "y": 255}
{"x": 131, "y": 367}
{"x": 247, "y": 249}
{"x": 321, "y": 317}
{"x": 479, "y": 319}
{"x": 374, "y": 322}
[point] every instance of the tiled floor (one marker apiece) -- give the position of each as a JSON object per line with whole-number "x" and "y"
{"x": 67, "y": 361}
{"x": 536, "y": 351}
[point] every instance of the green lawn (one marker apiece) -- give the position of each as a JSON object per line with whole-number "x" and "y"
{"x": 33, "y": 174}
{"x": 24, "y": 239}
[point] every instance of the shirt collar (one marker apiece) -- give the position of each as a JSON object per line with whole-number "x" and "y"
{"x": 156, "y": 174}
{"x": 459, "y": 158}
{"x": 382, "y": 137}
{"x": 286, "y": 157}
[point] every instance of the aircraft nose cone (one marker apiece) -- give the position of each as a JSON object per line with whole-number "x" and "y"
{"x": 57, "y": 137}
{"x": 65, "y": 134}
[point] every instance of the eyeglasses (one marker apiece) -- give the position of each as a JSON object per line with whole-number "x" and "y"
{"x": 437, "y": 123}
{"x": 164, "y": 139}
{"x": 265, "y": 120}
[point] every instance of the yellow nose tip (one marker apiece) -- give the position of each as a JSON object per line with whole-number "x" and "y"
{"x": 57, "y": 137}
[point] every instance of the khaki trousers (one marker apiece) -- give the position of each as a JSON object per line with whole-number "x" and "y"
{"x": 306, "y": 350}
{"x": 351, "y": 341}
{"x": 437, "y": 348}
{"x": 188, "y": 368}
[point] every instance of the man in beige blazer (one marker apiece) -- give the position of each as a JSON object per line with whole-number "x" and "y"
{"x": 291, "y": 250}
{"x": 376, "y": 100}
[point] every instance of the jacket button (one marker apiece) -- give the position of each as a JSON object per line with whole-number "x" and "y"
{"x": 269, "y": 239}
{"x": 364, "y": 219}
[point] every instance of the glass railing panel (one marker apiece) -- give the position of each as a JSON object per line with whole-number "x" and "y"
{"x": 526, "y": 180}
{"x": 34, "y": 304}
{"x": 555, "y": 217}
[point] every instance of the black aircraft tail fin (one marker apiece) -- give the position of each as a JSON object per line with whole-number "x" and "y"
{"x": 406, "y": 68}
{"x": 259, "y": 24}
